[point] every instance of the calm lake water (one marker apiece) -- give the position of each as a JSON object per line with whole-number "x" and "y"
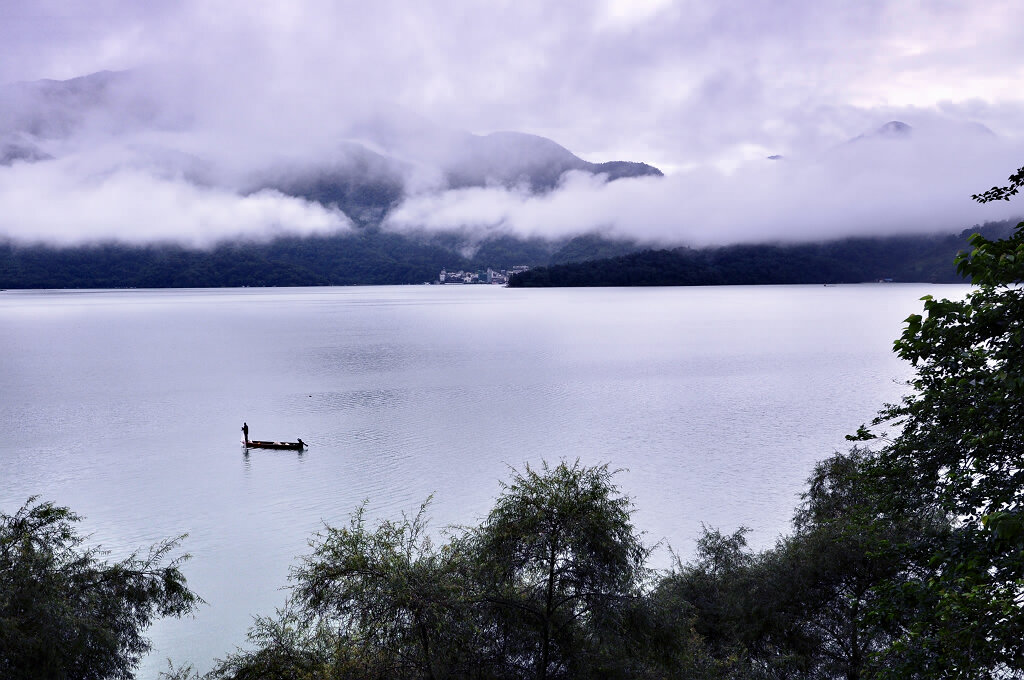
{"x": 126, "y": 406}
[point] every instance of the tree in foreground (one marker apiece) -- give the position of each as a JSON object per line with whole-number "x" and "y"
{"x": 841, "y": 559}
{"x": 66, "y": 613}
{"x": 552, "y": 584}
{"x": 960, "y": 452}
{"x": 397, "y": 605}
{"x": 380, "y": 602}
{"x": 804, "y": 608}
{"x": 561, "y": 569}
{"x": 711, "y": 595}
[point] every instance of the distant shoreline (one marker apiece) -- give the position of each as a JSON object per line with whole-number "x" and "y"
{"x": 380, "y": 258}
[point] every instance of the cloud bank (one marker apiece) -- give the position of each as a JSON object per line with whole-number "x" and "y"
{"x": 56, "y": 203}
{"x": 868, "y": 187}
{"x": 223, "y": 93}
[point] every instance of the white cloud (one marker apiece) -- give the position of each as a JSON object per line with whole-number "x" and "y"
{"x": 56, "y": 202}
{"x": 625, "y": 14}
{"x": 700, "y": 85}
{"x": 870, "y": 187}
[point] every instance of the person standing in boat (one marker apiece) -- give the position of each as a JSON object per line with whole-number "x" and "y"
{"x": 245, "y": 432}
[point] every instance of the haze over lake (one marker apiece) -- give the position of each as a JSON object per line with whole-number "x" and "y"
{"x": 126, "y": 406}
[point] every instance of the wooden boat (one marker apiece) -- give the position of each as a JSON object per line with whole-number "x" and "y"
{"x": 286, "y": 446}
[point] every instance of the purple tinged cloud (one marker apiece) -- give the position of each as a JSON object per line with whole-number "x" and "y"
{"x": 220, "y": 94}
{"x": 868, "y": 187}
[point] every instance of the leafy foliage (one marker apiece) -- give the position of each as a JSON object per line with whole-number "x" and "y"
{"x": 560, "y": 563}
{"x": 961, "y": 452}
{"x": 66, "y": 613}
{"x": 552, "y": 584}
{"x": 1002, "y": 193}
{"x": 842, "y": 557}
{"x": 805, "y": 608}
{"x": 399, "y": 603}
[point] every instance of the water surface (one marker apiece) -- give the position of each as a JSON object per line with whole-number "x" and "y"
{"x": 126, "y": 406}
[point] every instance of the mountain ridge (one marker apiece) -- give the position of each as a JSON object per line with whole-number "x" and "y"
{"x": 367, "y": 170}
{"x": 904, "y": 259}
{"x": 374, "y": 257}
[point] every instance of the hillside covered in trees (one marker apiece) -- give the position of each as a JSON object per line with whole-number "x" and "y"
{"x": 362, "y": 257}
{"x": 372, "y": 257}
{"x": 853, "y": 260}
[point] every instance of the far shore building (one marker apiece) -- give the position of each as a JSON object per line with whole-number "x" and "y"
{"x": 490, "y": 275}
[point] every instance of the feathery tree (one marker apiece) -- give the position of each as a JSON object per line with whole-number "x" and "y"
{"x": 66, "y": 613}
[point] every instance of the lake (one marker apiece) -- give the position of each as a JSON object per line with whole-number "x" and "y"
{"x": 716, "y": 401}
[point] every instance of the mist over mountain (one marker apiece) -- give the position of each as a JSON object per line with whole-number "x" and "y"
{"x": 894, "y": 129}
{"x": 169, "y": 155}
{"x": 199, "y": 125}
{"x": 112, "y": 124}
{"x": 373, "y": 256}
{"x": 924, "y": 258}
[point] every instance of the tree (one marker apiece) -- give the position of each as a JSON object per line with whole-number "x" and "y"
{"x": 397, "y": 602}
{"x": 561, "y": 566}
{"x": 286, "y": 647}
{"x": 551, "y": 584}
{"x": 842, "y": 556}
{"x": 712, "y": 589}
{"x": 805, "y": 607}
{"x": 66, "y": 613}
{"x": 960, "y": 452}
{"x": 369, "y": 603}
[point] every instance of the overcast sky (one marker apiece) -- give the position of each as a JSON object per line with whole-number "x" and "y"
{"x": 703, "y": 89}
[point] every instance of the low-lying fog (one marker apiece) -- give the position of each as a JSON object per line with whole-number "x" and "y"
{"x": 768, "y": 123}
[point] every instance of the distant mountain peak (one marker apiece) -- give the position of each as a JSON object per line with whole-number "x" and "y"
{"x": 894, "y": 128}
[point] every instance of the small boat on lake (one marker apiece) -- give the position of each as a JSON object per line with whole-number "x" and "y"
{"x": 288, "y": 446}
{"x": 259, "y": 444}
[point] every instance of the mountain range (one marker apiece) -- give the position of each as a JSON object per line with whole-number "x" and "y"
{"x": 365, "y": 167}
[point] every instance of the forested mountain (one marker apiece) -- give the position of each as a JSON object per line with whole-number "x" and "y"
{"x": 363, "y": 165}
{"x": 362, "y": 257}
{"x": 852, "y": 260}
{"x": 372, "y": 256}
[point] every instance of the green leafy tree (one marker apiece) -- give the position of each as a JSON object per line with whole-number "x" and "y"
{"x": 398, "y": 602}
{"x": 841, "y": 556}
{"x": 285, "y": 647}
{"x": 960, "y": 451}
{"x": 65, "y": 612}
{"x": 561, "y": 566}
{"x": 378, "y": 602}
{"x": 712, "y": 588}
{"x": 551, "y": 584}
{"x": 805, "y": 608}
{"x": 747, "y": 607}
